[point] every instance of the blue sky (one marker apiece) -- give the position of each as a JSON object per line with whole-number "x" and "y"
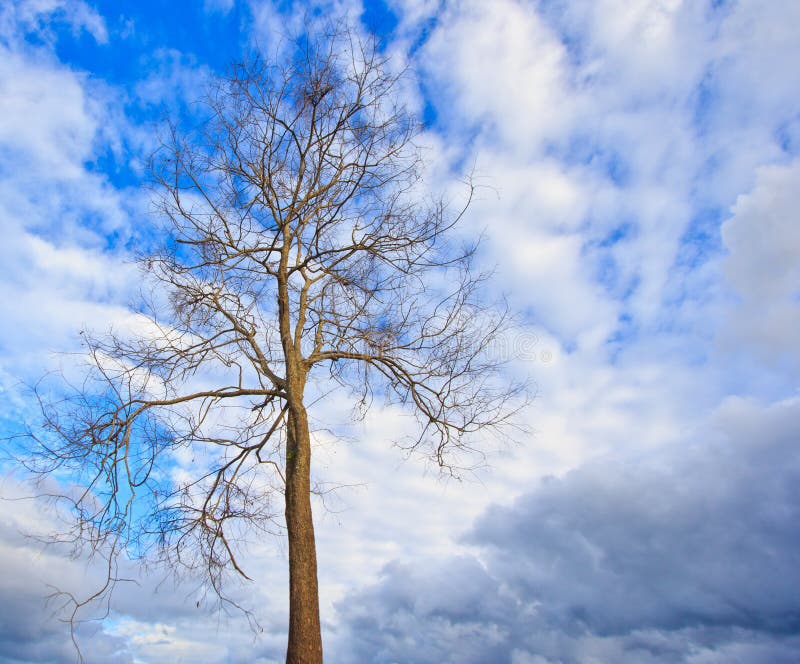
{"x": 641, "y": 163}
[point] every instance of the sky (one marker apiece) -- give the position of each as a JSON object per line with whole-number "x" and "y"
{"x": 639, "y": 163}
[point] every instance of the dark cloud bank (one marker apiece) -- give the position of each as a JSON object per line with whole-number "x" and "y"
{"x": 688, "y": 554}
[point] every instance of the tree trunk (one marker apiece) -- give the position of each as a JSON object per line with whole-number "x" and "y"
{"x": 305, "y": 639}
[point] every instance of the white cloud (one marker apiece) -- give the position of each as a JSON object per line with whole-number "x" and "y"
{"x": 647, "y": 97}
{"x": 55, "y": 211}
{"x": 152, "y": 619}
{"x": 504, "y": 72}
{"x": 273, "y": 22}
{"x": 218, "y": 6}
{"x": 46, "y": 123}
{"x": 763, "y": 240}
{"x": 39, "y": 15}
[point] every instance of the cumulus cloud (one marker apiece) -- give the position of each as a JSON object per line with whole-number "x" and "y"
{"x": 154, "y": 616}
{"x": 32, "y": 627}
{"x": 689, "y": 554}
{"x": 633, "y": 109}
{"x": 763, "y": 240}
{"x": 518, "y": 96}
{"x": 63, "y": 221}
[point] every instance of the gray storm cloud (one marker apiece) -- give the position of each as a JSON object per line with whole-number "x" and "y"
{"x": 689, "y": 554}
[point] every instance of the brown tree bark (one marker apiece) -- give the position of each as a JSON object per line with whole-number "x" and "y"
{"x": 305, "y": 639}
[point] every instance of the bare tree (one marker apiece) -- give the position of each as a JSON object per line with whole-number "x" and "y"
{"x": 297, "y": 246}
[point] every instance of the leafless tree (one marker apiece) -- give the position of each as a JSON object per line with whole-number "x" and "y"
{"x": 297, "y": 246}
